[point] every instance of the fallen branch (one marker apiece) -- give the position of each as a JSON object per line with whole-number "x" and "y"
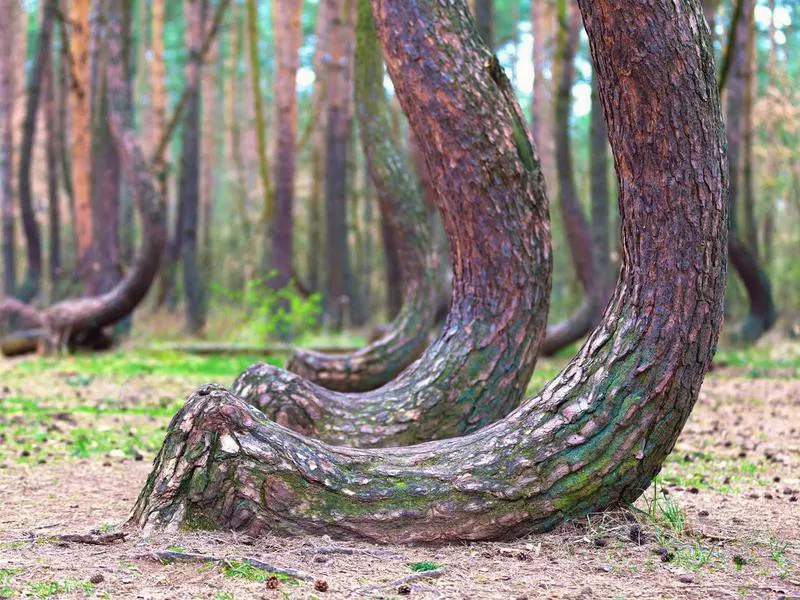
{"x": 170, "y": 556}
{"x": 347, "y": 551}
{"x": 432, "y": 574}
{"x": 94, "y": 539}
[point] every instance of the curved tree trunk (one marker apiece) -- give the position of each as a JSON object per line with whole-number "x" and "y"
{"x": 600, "y": 431}
{"x": 480, "y": 365}
{"x": 763, "y": 314}
{"x": 33, "y": 239}
{"x": 69, "y": 319}
{"x": 579, "y": 238}
{"x": 402, "y": 207}
{"x": 600, "y": 194}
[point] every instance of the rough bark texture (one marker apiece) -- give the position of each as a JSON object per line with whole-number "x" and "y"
{"x": 598, "y": 433}
{"x": 81, "y": 126}
{"x": 402, "y": 207}
{"x": 65, "y": 321}
{"x": 484, "y": 18}
{"x": 30, "y": 226}
{"x": 491, "y": 195}
{"x": 189, "y": 184}
{"x": 287, "y": 24}
{"x": 600, "y": 194}
{"x": 338, "y": 275}
{"x": 763, "y": 314}
{"x": 579, "y": 238}
{"x": 8, "y": 49}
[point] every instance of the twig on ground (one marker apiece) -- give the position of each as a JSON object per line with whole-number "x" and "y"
{"x": 346, "y": 551}
{"x": 432, "y": 574}
{"x": 168, "y": 555}
{"x": 94, "y": 539}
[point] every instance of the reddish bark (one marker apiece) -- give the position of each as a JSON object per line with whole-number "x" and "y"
{"x": 595, "y": 436}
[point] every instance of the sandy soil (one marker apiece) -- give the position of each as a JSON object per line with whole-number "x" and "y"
{"x": 732, "y": 488}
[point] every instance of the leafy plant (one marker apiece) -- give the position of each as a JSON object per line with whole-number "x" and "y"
{"x": 48, "y": 589}
{"x": 424, "y": 565}
{"x": 243, "y": 570}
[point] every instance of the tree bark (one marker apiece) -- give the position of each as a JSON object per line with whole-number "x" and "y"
{"x": 762, "y": 314}
{"x": 81, "y": 126}
{"x": 53, "y": 199}
{"x": 394, "y": 275}
{"x": 8, "y": 94}
{"x": 600, "y": 194}
{"x": 541, "y": 129}
{"x": 579, "y": 237}
{"x": 287, "y": 25}
{"x": 479, "y": 366}
{"x": 402, "y": 206}
{"x": 189, "y": 183}
{"x": 595, "y": 436}
{"x": 30, "y": 226}
{"x": 484, "y": 18}
{"x": 748, "y": 185}
{"x": 338, "y": 275}
{"x": 66, "y": 321}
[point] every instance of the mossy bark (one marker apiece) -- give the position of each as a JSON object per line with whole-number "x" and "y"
{"x": 491, "y": 196}
{"x": 599, "y": 432}
{"x": 402, "y": 207}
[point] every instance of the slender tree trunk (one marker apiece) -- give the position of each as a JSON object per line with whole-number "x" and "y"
{"x": 484, "y": 18}
{"x": 600, "y": 194}
{"x": 579, "y": 237}
{"x": 394, "y": 275}
{"x": 595, "y": 436}
{"x": 53, "y": 199}
{"x": 30, "y": 226}
{"x": 189, "y": 185}
{"x": 402, "y": 206}
{"x": 479, "y": 366}
{"x": 763, "y": 314}
{"x": 541, "y": 129}
{"x": 81, "y": 126}
{"x": 338, "y": 275}
{"x": 258, "y": 103}
{"x": 208, "y": 159}
{"x": 8, "y": 94}
{"x": 770, "y": 167}
{"x": 64, "y": 91}
{"x": 287, "y": 24}
{"x": 748, "y": 185}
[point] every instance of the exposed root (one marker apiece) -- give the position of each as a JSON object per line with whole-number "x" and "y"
{"x": 170, "y": 556}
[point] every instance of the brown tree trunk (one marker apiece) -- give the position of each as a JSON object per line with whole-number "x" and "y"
{"x": 479, "y": 366}
{"x": 402, "y": 206}
{"x": 579, "y": 237}
{"x": 8, "y": 94}
{"x": 68, "y": 320}
{"x": 53, "y": 200}
{"x": 339, "y": 88}
{"x": 189, "y": 183}
{"x": 394, "y": 275}
{"x": 748, "y": 185}
{"x": 541, "y": 130}
{"x": 81, "y": 126}
{"x": 763, "y": 314}
{"x": 484, "y": 18}
{"x": 287, "y": 25}
{"x": 30, "y": 226}
{"x": 600, "y": 194}
{"x": 595, "y": 436}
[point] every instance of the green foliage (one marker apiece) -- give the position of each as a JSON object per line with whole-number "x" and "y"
{"x": 48, "y": 589}
{"x": 5, "y": 580}
{"x": 269, "y": 313}
{"x": 424, "y": 565}
{"x": 243, "y": 570}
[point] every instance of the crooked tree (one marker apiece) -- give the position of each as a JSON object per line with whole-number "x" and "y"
{"x": 478, "y": 367}
{"x": 402, "y": 207}
{"x": 599, "y": 432}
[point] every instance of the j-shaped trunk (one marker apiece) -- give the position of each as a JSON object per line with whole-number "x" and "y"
{"x": 491, "y": 195}
{"x": 69, "y": 319}
{"x": 599, "y": 432}
{"x": 402, "y": 207}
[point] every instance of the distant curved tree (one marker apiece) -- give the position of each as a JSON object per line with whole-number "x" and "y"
{"x": 478, "y": 368}
{"x": 599, "y": 432}
{"x": 402, "y": 207}
{"x": 66, "y": 321}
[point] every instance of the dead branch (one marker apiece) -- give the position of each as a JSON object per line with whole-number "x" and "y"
{"x": 170, "y": 556}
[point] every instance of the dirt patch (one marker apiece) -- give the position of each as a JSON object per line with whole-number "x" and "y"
{"x": 723, "y": 521}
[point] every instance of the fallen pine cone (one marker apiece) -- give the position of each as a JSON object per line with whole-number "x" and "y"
{"x": 321, "y": 585}
{"x": 273, "y": 583}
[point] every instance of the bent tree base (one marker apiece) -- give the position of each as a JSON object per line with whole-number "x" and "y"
{"x": 598, "y": 433}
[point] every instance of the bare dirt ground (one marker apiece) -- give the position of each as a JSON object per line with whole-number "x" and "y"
{"x": 724, "y": 520}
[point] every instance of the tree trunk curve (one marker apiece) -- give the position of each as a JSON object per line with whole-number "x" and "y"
{"x": 69, "y": 318}
{"x": 491, "y": 195}
{"x": 597, "y": 434}
{"x": 402, "y": 207}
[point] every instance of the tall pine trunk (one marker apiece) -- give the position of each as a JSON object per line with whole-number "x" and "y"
{"x": 8, "y": 94}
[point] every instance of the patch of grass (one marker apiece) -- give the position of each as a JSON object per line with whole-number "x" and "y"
{"x": 425, "y": 565}
{"x": 180, "y": 549}
{"x": 224, "y": 596}
{"x": 5, "y": 582}
{"x": 243, "y": 570}
{"x": 48, "y": 589}
{"x": 777, "y": 550}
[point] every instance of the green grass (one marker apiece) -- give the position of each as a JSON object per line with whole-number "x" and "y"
{"x": 6, "y": 575}
{"x": 425, "y": 565}
{"x": 243, "y": 570}
{"x": 48, "y": 589}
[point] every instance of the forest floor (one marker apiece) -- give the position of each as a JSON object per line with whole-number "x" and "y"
{"x": 77, "y": 436}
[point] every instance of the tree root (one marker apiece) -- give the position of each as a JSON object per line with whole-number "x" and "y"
{"x": 171, "y": 556}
